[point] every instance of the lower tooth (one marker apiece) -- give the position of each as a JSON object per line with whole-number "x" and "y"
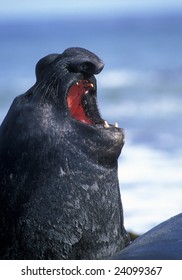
{"x": 116, "y": 125}
{"x": 106, "y": 125}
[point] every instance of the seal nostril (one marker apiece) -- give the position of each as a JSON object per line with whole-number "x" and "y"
{"x": 91, "y": 68}
{"x": 87, "y": 67}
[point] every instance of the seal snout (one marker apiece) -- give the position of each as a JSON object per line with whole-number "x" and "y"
{"x": 83, "y": 61}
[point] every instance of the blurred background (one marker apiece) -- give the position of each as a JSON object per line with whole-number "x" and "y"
{"x": 140, "y": 87}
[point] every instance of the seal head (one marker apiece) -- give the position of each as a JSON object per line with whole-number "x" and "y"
{"x": 67, "y": 82}
{"x": 58, "y": 167}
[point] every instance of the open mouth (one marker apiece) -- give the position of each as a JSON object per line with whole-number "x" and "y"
{"x": 82, "y": 104}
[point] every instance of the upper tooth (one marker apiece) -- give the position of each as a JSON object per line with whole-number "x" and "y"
{"x": 106, "y": 125}
{"x": 116, "y": 124}
{"x": 91, "y": 85}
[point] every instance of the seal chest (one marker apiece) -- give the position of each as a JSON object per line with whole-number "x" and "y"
{"x": 58, "y": 163}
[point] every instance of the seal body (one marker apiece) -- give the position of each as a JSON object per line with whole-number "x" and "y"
{"x": 59, "y": 187}
{"x": 163, "y": 242}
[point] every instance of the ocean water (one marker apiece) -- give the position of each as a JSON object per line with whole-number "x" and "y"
{"x": 140, "y": 88}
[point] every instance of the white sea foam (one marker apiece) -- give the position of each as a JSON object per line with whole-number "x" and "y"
{"x": 118, "y": 78}
{"x": 149, "y": 108}
{"x": 150, "y": 186}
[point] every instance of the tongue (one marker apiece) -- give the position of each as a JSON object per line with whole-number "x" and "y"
{"x": 74, "y": 101}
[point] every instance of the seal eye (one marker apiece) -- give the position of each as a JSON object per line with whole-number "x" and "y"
{"x": 81, "y": 100}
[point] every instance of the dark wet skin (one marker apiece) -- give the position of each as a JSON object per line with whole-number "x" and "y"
{"x": 58, "y": 167}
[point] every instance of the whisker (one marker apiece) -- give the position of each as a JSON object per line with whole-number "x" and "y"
{"x": 55, "y": 90}
{"x": 46, "y": 88}
{"x": 45, "y": 93}
{"x": 49, "y": 87}
{"x": 38, "y": 88}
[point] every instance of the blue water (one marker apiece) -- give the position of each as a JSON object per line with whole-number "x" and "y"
{"x": 140, "y": 88}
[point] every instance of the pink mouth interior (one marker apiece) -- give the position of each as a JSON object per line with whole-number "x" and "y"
{"x": 74, "y": 100}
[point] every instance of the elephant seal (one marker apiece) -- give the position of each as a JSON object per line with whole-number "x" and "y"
{"x": 60, "y": 195}
{"x": 163, "y": 242}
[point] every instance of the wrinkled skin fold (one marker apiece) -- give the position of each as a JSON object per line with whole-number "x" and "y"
{"x": 59, "y": 187}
